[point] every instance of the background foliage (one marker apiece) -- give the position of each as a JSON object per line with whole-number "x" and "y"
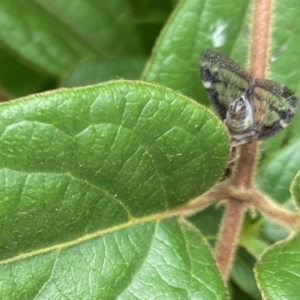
{"x": 89, "y": 175}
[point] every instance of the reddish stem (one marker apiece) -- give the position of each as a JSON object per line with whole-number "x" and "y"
{"x": 261, "y": 29}
{"x": 229, "y": 234}
{"x": 245, "y": 167}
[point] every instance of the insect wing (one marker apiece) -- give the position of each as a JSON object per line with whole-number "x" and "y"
{"x": 223, "y": 79}
{"x": 274, "y": 107}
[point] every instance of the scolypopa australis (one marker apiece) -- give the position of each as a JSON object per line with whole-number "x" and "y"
{"x": 251, "y": 108}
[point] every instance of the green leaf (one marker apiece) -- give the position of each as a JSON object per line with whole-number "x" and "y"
{"x": 143, "y": 261}
{"x": 295, "y": 189}
{"x": 95, "y": 71}
{"x": 208, "y": 222}
{"x": 151, "y": 11}
{"x": 193, "y": 26}
{"x": 149, "y": 17}
{"x": 242, "y": 273}
{"x": 254, "y": 244}
{"x": 107, "y": 26}
{"x": 278, "y": 270}
{"x": 55, "y": 36}
{"x": 237, "y": 294}
{"x": 19, "y": 80}
{"x": 86, "y": 175}
{"x": 276, "y": 176}
{"x": 274, "y": 232}
{"x": 285, "y": 55}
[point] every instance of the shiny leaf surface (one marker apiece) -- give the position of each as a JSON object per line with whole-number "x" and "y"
{"x": 87, "y": 179}
{"x": 194, "y": 26}
{"x": 278, "y": 271}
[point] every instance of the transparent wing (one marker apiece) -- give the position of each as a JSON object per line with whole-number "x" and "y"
{"x": 274, "y": 107}
{"x": 223, "y": 79}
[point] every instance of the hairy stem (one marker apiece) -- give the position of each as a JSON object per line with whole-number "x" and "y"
{"x": 260, "y": 41}
{"x": 200, "y": 203}
{"x": 245, "y": 167}
{"x": 284, "y": 217}
{"x": 230, "y": 230}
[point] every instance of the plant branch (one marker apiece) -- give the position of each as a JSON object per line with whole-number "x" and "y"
{"x": 245, "y": 166}
{"x": 273, "y": 211}
{"x": 242, "y": 177}
{"x": 260, "y": 43}
{"x": 250, "y": 199}
{"x": 199, "y": 203}
{"x": 228, "y": 238}
{"x": 255, "y": 200}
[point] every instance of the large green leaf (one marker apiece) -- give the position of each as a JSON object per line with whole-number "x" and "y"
{"x": 55, "y": 36}
{"x": 194, "y": 26}
{"x": 86, "y": 176}
{"x": 278, "y": 271}
{"x": 144, "y": 261}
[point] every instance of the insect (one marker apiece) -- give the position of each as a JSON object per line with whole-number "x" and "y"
{"x": 251, "y": 108}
